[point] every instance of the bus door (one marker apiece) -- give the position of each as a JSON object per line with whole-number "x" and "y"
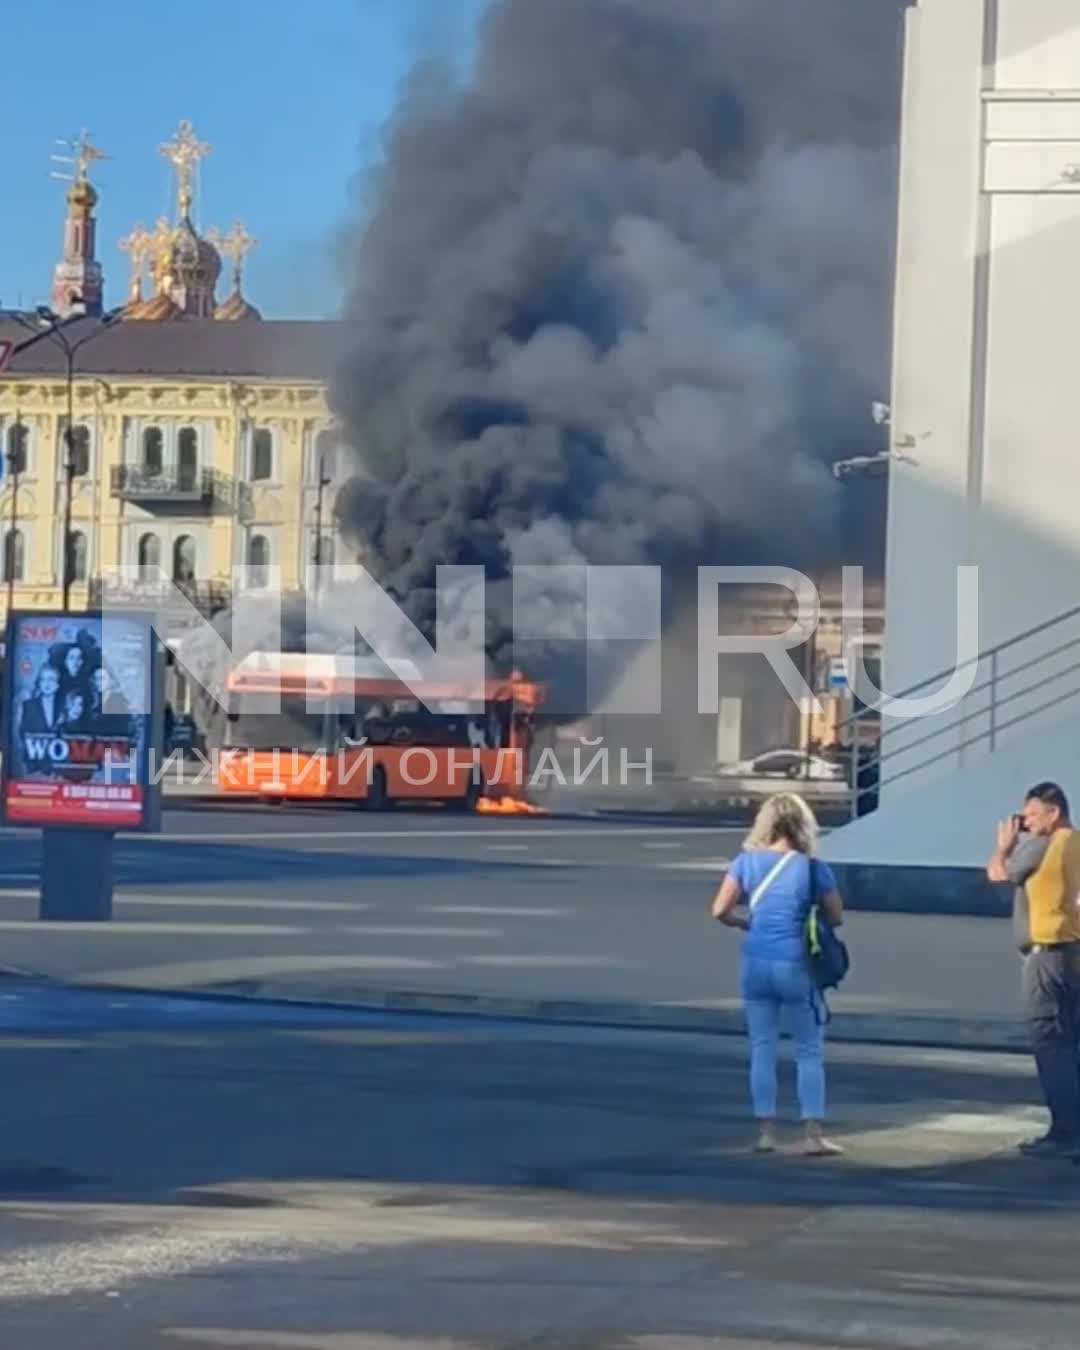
{"x": 512, "y": 733}
{"x": 286, "y": 753}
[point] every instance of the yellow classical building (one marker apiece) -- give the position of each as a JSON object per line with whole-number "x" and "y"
{"x": 201, "y": 436}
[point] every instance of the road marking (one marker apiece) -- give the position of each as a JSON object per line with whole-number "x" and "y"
{"x": 497, "y": 911}
{"x": 165, "y": 901}
{"x": 696, "y": 865}
{"x": 151, "y": 927}
{"x": 663, "y": 846}
{"x": 508, "y": 848}
{"x": 532, "y": 962}
{"x": 369, "y": 930}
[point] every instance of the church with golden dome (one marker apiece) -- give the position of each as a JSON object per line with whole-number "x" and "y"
{"x": 200, "y": 433}
{"x": 181, "y": 266}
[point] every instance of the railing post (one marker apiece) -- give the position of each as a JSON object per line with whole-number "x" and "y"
{"x": 855, "y": 771}
{"x": 993, "y": 700}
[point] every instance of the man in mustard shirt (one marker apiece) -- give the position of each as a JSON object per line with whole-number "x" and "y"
{"x": 1039, "y": 853}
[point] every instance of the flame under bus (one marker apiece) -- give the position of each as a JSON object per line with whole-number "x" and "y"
{"x": 336, "y": 728}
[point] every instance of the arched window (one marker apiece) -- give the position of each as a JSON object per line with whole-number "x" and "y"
{"x": 77, "y": 553}
{"x": 80, "y": 450}
{"x": 153, "y": 452}
{"x": 187, "y": 458}
{"x": 259, "y": 560}
{"x": 183, "y": 566}
{"x": 14, "y": 555}
{"x": 262, "y": 455}
{"x": 149, "y": 557}
{"x": 17, "y": 450}
{"x": 324, "y": 465}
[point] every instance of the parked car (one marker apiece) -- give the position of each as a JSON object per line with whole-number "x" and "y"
{"x": 786, "y": 763}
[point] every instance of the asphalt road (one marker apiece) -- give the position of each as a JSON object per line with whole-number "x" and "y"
{"x": 176, "y": 1175}
{"x": 307, "y": 900}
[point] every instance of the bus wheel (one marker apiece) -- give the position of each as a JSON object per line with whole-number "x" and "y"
{"x": 378, "y": 797}
{"x": 471, "y": 798}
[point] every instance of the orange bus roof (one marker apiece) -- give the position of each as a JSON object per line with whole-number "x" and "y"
{"x": 320, "y": 675}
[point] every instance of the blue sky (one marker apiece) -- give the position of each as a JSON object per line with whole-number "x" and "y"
{"x": 291, "y": 96}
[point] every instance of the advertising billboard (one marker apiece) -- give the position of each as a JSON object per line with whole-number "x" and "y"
{"x": 81, "y": 717}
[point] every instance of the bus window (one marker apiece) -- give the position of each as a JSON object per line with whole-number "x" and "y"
{"x": 294, "y": 728}
{"x": 421, "y": 727}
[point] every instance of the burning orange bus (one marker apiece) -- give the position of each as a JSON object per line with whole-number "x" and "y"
{"x": 337, "y": 728}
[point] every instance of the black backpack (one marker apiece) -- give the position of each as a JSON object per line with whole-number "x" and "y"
{"x": 826, "y": 953}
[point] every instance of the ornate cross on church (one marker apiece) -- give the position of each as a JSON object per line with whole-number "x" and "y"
{"x": 139, "y": 244}
{"x": 235, "y": 246}
{"x": 184, "y": 153}
{"x": 83, "y": 154}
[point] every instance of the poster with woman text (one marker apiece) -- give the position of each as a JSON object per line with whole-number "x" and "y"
{"x": 78, "y": 720}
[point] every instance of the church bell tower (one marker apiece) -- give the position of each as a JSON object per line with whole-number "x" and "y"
{"x": 78, "y": 283}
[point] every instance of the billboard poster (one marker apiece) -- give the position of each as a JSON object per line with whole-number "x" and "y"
{"x": 79, "y": 712}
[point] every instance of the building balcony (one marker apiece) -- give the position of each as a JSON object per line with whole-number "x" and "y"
{"x": 205, "y": 597}
{"x": 193, "y": 489}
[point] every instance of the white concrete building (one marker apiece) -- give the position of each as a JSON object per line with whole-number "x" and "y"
{"x": 986, "y": 415}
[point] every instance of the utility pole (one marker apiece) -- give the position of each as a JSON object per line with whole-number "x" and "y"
{"x": 324, "y": 482}
{"x": 16, "y": 463}
{"x": 69, "y": 475}
{"x": 55, "y": 330}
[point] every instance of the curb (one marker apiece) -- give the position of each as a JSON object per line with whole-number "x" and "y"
{"x": 977, "y": 1035}
{"x": 941, "y": 1033}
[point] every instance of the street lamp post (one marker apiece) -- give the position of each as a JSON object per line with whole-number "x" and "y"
{"x": 54, "y": 330}
{"x": 16, "y": 457}
{"x": 324, "y": 482}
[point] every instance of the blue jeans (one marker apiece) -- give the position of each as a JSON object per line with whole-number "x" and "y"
{"x": 771, "y": 989}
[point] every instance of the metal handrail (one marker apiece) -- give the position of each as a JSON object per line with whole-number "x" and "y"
{"x": 1027, "y": 635}
{"x": 982, "y": 712}
{"x": 870, "y": 762}
{"x": 994, "y": 679}
{"x": 974, "y": 740}
{"x": 991, "y": 684}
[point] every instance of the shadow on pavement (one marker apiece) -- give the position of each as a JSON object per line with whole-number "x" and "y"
{"x": 129, "y": 1100}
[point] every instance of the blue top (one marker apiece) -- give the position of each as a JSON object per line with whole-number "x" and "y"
{"x": 777, "y": 920}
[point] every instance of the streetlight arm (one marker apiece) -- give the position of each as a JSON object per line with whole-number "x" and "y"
{"x": 107, "y": 321}
{"x": 55, "y": 333}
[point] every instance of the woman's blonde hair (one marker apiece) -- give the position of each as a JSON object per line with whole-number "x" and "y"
{"x": 784, "y": 816}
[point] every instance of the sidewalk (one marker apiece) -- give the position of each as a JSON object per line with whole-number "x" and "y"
{"x": 400, "y": 1185}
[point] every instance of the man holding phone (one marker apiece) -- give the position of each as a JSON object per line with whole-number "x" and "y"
{"x": 1038, "y": 851}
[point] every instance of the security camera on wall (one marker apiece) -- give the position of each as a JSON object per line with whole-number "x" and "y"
{"x": 865, "y": 466}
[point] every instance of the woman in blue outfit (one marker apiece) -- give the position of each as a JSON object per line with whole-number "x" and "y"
{"x": 779, "y": 878}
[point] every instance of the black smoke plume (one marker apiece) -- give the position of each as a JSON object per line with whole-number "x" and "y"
{"x": 623, "y": 293}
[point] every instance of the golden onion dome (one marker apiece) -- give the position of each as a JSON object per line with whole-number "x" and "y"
{"x": 236, "y": 309}
{"x": 83, "y": 194}
{"x": 156, "y": 309}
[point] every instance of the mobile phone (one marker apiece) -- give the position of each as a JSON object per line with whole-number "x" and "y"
{"x": 1018, "y": 821}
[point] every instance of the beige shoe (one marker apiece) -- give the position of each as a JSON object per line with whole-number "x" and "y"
{"x": 766, "y": 1140}
{"x": 815, "y": 1145}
